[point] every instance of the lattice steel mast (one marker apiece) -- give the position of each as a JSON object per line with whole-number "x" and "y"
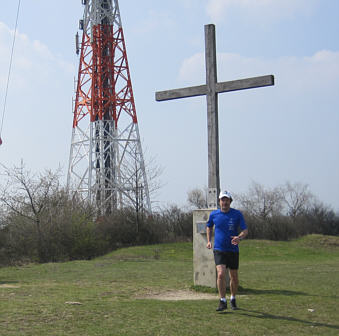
{"x": 106, "y": 164}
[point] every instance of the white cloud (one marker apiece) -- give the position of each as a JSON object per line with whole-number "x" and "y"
{"x": 39, "y": 95}
{"x": 192, "y": 70}
{"x": 317, "y": 73}
{"x": 32, "y": 63}
{"x": 267, "y": 10}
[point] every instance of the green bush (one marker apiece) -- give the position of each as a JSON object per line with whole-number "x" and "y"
{"x": 68, "y": 230}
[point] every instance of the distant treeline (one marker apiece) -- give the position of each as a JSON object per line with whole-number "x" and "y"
{"x": 40, "y": 222}
{"x": 71, "y": 232}
{"x": 281, "y": 213}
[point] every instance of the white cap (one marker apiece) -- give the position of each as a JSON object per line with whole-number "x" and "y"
{"x": 225, "y": 193}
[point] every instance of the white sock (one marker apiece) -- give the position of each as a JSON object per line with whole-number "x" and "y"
{"x": 223, "y": 299}
{"x": 232, "y": 297}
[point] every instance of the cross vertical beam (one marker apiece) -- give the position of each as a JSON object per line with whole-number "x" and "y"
{"x": 212, "y": 116}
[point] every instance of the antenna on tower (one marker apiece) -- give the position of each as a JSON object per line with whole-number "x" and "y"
{"x": 106, "y": 164}
{"x": 77, "y": 49}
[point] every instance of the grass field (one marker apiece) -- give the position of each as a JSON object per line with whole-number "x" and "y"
{"x": 287, "y": 288}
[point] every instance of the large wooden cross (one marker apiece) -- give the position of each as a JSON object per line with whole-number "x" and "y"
{"x": 211, "y": 90}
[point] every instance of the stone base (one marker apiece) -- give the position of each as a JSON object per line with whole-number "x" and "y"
{"x": 203, "y": 260}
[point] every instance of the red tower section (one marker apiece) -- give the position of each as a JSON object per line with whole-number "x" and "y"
{"x": 106, "y": 163}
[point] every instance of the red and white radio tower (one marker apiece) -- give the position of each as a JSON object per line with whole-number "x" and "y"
{"x": 106, "y": 165}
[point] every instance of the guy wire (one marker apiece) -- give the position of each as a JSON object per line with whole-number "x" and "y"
{"x": 10, "y": 68}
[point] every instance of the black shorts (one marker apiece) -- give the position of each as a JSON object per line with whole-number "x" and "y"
{"x": 230, "y": 259}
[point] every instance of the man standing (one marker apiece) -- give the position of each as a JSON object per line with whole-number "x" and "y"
{"x": 228, "y": 222}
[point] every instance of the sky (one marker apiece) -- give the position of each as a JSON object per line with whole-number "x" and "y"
{"x": 287, "y": 132}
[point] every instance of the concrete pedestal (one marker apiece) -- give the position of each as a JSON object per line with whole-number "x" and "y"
{"x": 203, "y": 260}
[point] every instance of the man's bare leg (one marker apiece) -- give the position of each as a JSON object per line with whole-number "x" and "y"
{"x": 234, "y": 283}
{"x": 221, "y": 280}
{"x": 221, "y": 283}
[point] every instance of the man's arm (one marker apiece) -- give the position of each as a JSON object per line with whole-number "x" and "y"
{"x": 240, "y": 236}
{"x": 209, "y": 237}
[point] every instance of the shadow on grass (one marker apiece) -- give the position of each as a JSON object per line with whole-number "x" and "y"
{"x": 243, "y": 290}
{"x": 253, "y": 291}
{"x": 262, "y": 315}
{"x": 8, "y": 282}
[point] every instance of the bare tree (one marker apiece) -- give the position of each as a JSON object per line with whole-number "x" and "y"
{"x": 260, "y": 202}
{"x": 297, "y": 198}
{"x": 197, "y": 198}
{"x": 26, "y": 195}
{"x": 153, "y": 172}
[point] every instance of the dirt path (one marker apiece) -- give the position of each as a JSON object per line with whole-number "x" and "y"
{"x": 179, "y": 295}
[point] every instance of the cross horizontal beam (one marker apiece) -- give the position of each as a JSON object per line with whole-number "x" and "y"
{"x": 201, "y": 90}
{"x": 192, "y": 91}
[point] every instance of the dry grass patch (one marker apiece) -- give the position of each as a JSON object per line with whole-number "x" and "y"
{"x": 8, "y": 286}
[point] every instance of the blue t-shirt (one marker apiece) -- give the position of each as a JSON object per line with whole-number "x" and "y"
{"x": 227, "y": 225}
